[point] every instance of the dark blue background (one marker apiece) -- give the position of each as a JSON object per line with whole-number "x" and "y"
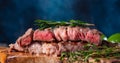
{"x": 16, "y": 16}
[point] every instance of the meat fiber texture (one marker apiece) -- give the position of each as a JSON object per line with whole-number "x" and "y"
{"x": 67, "y": 33}
{"x": 23, "y": 40}
{"x": 50, "y": 49}
{"x": 43, "y": 35}
{"x": 55, "y": 41}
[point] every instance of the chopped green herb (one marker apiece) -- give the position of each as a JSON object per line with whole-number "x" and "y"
{"x": 97, "y": 52}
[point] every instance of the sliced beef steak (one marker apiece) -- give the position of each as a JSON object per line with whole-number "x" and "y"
{"x": 35, "y": 48}
{"x": 73, "y": 33}
{"x": 27, "y": 38}
{"x": 43, "y": 35}
{"x": 54, "y": 49}
{"x": 93, "y": 36}
{"x": 55, "y": 41}
{"x": 50, "y": 48}
{"x": 61, "y": 33}
{"x": 57, "y": 34}
{"x": 84, "y": 34}
{"x": 23, "y": 41}
{"x": 16, "y": 47}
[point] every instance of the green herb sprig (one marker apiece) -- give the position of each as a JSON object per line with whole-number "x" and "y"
{"x": 42, "y": 24}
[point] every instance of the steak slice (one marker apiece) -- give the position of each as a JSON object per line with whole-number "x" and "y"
{"x": 57, "y": 34}
{"x": 75, "y": 34}
{"x": 84, "y": 34}
{"x": 50, "y": 49}
{"x": 17, "y": 45}
{"x": 93, "y": 36}
{"x": 23, "y": 41}
{"x": 63, "y": 33}
{"x": 35, "y": 48}
{"x": 43, "y": 35}
{"x": 27, "y": 38}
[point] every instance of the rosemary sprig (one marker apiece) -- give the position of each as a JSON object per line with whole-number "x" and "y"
{"x": 42, "y": 24}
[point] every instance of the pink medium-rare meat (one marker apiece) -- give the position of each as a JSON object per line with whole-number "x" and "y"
{"x": 43, "y": 35}
{"x": 83, "y": 32}
{"x": 57, "y": 34}
{"x": 89, "y": 36}
{"x": 77, "y": 34}
{"x": 63, "y": 36}
{"x": 93, "y": 36}
{"x": 27, "y": 38}
{"x": 22, "y": 41}
{"x": 74, "y": 33}
{"x": 97, "y": 37}
{"x": 71, "y": 33}
{"x": 63, "y": 33}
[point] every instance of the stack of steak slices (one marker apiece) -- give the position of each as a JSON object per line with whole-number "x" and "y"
{"x": 54, "y": 41}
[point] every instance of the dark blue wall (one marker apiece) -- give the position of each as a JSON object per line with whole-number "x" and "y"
{"x": 18, "y": 15}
